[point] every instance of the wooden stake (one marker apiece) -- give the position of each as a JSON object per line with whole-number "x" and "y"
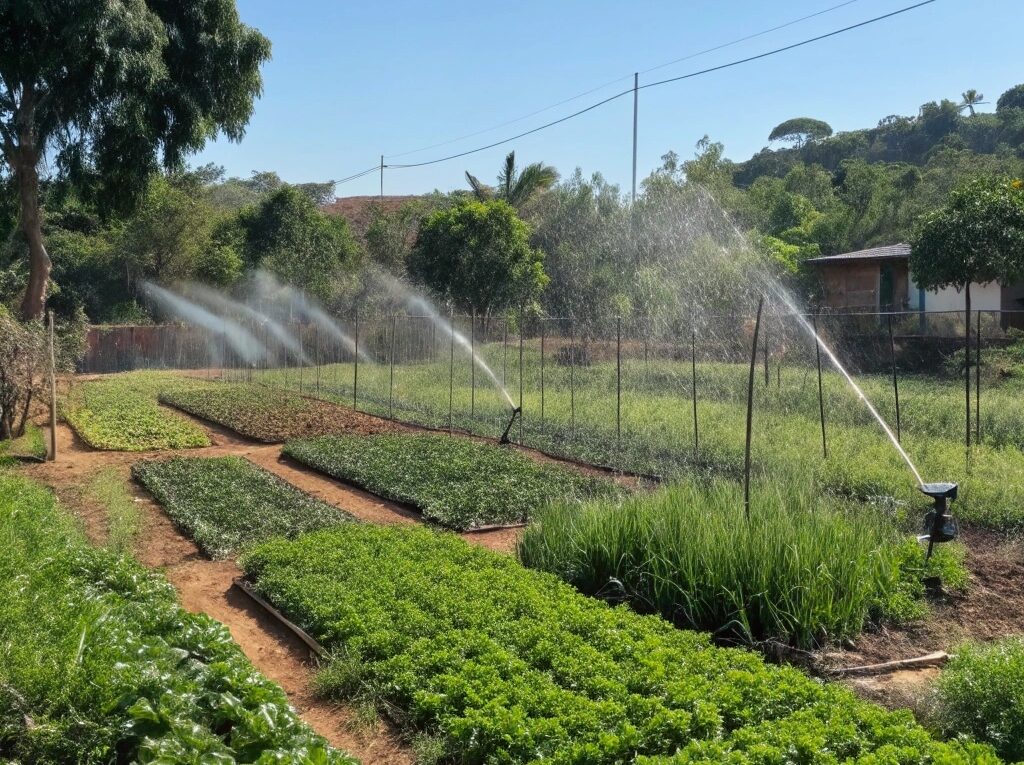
{"x": 53, "y": 395}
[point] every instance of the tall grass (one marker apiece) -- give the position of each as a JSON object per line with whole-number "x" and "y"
{"x": 802, "y": 571}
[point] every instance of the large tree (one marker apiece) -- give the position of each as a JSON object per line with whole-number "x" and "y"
{"x": 103, "y": 92}
{"x": 514, "y": 186}
{"x": 976, "y": 237}
{"x": 800, "y": 130}
{"x": 288, "y": 234}
{"x": 477, "y": 257}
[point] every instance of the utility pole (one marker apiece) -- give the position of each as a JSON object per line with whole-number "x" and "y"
{"x": 636, "y": 104}
{"x": 382, "y": 178}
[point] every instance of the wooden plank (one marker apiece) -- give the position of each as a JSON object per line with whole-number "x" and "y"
{"x": 300, "y": 633}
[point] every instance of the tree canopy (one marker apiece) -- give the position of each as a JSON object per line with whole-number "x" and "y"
{"x": 514, "y": 186}
{"x": 477, "y": 257}
{"x": 111, "y": 90}
{"x": 977, "y": 236}
{"x": 800, "y": 130}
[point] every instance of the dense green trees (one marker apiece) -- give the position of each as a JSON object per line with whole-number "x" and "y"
{"x": 110, "y": 90}
{"x": 477, "y": 257}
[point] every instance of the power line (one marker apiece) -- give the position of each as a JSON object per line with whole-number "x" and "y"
{"x": 787, "y": 47}
{"x": 626, "y": 77}
{"x": 720, "y": 67}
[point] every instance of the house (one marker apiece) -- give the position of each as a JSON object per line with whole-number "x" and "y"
{"x": 879, "y": 279}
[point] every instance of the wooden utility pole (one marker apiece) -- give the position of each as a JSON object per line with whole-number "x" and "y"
{"x": 53, "y": 395}
{"x": 636, "y": 106}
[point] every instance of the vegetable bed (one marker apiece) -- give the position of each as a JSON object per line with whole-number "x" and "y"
{"x": 501, "y": 664}
{"x": 121, "y": 413}
{"x": 99, "y": 663}
{"x": 226, "y": 503}
{"x": 271, "y": 415}
{"x": 804, "y": 570}
{"x": 454, "y": 482}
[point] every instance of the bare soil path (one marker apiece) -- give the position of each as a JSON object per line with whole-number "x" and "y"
{"x": 205, "y": 586}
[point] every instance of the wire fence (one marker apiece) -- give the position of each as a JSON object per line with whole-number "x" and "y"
{"x": 644, "y": 395}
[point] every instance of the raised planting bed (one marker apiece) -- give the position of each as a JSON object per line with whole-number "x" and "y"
{"x": 99, "y": 662}
{"x": 499, "y": 663}
{"x": 227, "y": 503}
{"x": 271, "y": 415}
{"x": 455, "y": 482}
{"x": 802, "y": 571}
{"x": 121, "y": 413}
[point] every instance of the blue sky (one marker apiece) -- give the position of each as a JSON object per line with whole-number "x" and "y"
{"x": 350, "y": 81}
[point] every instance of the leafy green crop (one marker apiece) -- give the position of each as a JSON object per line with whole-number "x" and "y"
{"x": 455, "y": 482}
{"x": 804, "y": 570}
{"x": 981, "y": 693}
{"x": 99, "y": 663}
{"x": 265, "y": 414}
{"x": 508, "y": 665}
{"x": 226, "y": 503}
{"x": 120, "y": 413}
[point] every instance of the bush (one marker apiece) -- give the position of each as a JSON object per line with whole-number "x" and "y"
{"x": 981, "y": 694}
{"x": 503, "y": 664}
{"x": 99, "y": 663}
{"x": 802, "y": 571}
{"x": 455, "y": 482}
{"x": 226, "y": 503}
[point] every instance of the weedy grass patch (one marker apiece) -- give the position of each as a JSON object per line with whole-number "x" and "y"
{"x": 271, "y": 415}
{"x": 31, "y": 444}
{"x": 121, "y": 413}
{"x": 227, "y": 503}
{"x": 499, "y": 663}
{"x": 804, "y": 571}
{"x": 99, "y": 662}
{"x": 109, "y": 490}
{"x": 981, "y": 694}
{"x": 455, "y": 482}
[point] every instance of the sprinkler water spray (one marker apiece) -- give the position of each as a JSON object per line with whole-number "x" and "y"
{"x": 516, "y": 412}
{"x": 938, "y": 523}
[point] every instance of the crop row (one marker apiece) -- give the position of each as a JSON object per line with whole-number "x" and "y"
{"x": 802, "y": 570}
{"x": 503, "y": 664}
{"x": 99, "y": 663}
{"x": 227, "y": 503}
{"x": 263, "y": 413}
{"x": 657, "y": 436}
{"x": 121, "y": 413}
{"x": 454, "y": 482}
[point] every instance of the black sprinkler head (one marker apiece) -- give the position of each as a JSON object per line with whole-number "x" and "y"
{"x": 504, "y": 436}
{"x": 939, "y": 525}
{"x": 936, "y": 490}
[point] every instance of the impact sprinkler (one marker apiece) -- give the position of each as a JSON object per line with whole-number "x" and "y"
{"x": 939, "y": 525}
{"x": 508, "y": 428}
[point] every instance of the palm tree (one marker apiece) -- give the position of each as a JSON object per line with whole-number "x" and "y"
{"x": 516, "y": 188}
{"x": 971, "y": 98}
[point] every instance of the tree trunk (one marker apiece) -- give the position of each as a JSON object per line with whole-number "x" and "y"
{"x": 31, "y": 224}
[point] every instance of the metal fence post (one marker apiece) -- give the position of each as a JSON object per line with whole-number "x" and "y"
{"x": 977, "y": 381}
{"x": 895, "y": 380}
{"x": 451, "y": 375}
{"x": 53, "y": 394}
{"x": 693, "y": 384}
{"x": 316, "y": 343}
{"x": 618, "y": 382}
{"x": 521, "y": 375}
{"x": 821, "y": 390}
{"x": 572, "y": 377}
{"x": 391, "y": 383}
{"x": 355, "y": 366}
{"x": 472, "y": 363}
{"x": 750, "y": 411}
{"x": 542, "y": 337}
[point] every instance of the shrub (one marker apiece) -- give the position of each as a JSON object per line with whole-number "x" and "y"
{"x": 99, "y": 663}
{"x": 226, "y": 503}
{"x": 503, "y": 664}
{"x": 981, "y": 693}
{"x": 455, "y": 482}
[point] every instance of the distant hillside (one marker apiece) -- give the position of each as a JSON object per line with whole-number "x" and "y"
{"x": 359, "y": 211}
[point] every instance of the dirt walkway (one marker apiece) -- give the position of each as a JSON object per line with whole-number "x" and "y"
{"x": 204, "y": 586}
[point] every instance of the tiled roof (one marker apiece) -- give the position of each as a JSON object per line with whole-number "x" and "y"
{"x": 886, "y": 252}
